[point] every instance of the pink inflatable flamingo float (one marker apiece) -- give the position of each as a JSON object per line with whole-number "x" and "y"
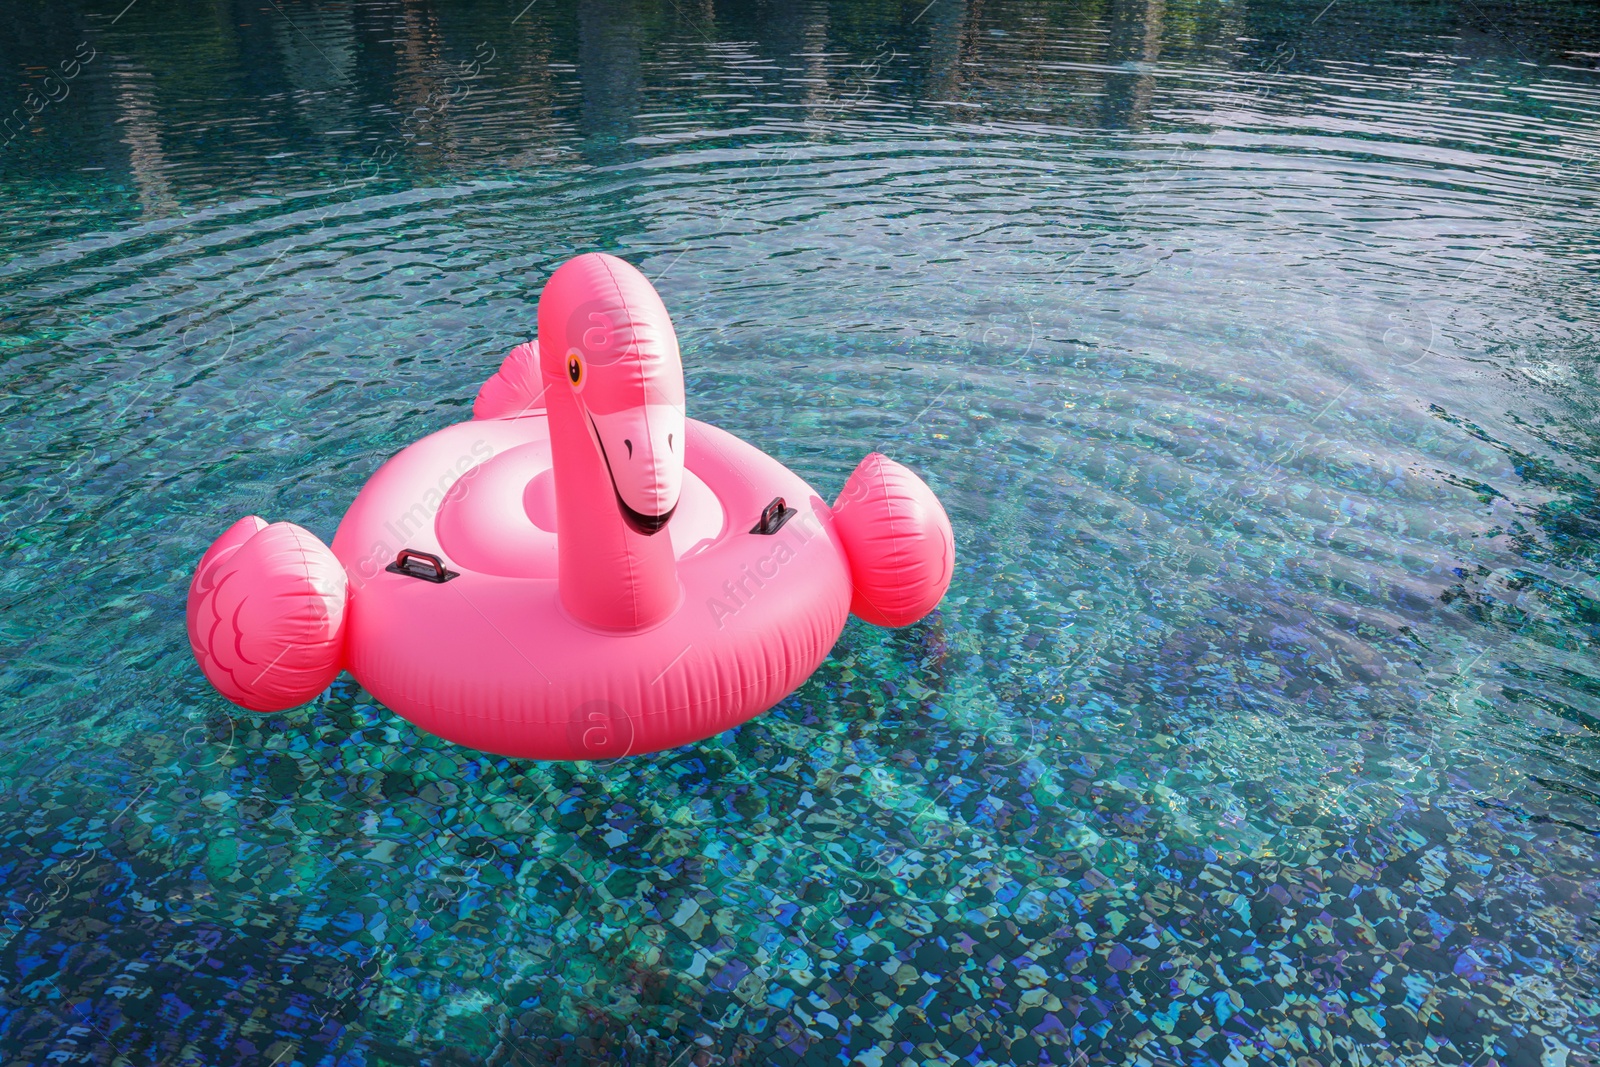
{"x": 579, "y": 571}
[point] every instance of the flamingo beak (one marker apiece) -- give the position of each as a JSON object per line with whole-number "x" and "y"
{"x": 643, "y": 449}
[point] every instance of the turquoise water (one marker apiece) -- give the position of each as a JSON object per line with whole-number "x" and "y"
{"x": 1251, "y": 346}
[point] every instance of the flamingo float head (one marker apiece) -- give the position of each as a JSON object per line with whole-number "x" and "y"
{"x": 607, "y": 347}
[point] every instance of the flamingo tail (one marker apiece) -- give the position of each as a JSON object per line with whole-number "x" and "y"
{"x": 515, "y": 389}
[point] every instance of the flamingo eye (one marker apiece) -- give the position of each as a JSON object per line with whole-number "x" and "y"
{"x": 575, "y": 369}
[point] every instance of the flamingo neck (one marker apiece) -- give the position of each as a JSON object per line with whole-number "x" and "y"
{"x": 611, "y": 577}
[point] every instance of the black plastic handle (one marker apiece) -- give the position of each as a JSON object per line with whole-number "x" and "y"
{"x": 773, "y": 516}
{"x": 436, "y": 573}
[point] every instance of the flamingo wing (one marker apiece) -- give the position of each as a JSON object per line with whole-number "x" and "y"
{"x": 898, "y": 539}
{"x": 266, "y": 615}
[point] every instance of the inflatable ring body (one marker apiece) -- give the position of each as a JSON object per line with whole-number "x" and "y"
{"x": 491, "y": 659}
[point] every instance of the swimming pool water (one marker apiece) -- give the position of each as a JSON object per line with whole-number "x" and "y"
{"x": 1250, "y": 344}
